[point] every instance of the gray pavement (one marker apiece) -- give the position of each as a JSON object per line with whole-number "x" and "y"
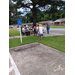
{"x": 39, "y": 60}
{"x": 54, "y": 31}
{"x": 58, "y": 30}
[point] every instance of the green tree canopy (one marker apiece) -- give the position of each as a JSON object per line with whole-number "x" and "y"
{"x": 36, "y": 5}
{"x": 13, "y": 14}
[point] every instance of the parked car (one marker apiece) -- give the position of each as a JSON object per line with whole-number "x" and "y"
{"x": 10, "y": 26}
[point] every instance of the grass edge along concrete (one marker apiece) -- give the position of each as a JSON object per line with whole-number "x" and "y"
{"x": 57, "y": 42}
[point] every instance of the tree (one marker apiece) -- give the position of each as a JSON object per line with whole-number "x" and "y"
{"x": 29, "y": 17}
{"x": 38, "y": 18}
{"x": 9, "y": 20}
{"x": 13, "y": 14}
{"x": 42, "y": 19}
{"x": 35, "y": 5}
{"x": 42, "y": 16}
{"x": 50, "y": 17}
{"x": 11, "y": 6}
{"x": 46, "y": 17}
{"x": 23, "y": 19}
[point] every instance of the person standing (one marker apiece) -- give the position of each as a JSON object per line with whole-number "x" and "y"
{"x": 27, "y": 33}
{"x": 22, "y": 31}
{"x": 40, "y": 31}
{"x": 48, "y": 27}
{"x": 35, "y": 31}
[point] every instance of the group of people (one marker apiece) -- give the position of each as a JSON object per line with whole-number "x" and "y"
{"x": 26, "y": 32}
{"x": 38, "y": 30}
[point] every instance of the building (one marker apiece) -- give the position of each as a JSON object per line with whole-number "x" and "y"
{"x": 29, "y": 24}
{"x": 45, "y": 22}
{"x": 59, "y": 22}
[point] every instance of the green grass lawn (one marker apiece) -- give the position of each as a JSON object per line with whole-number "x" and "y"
{"x": 57, "y": 42}
{"x": 13, "y": 31}
{"x": 25, "y": 40}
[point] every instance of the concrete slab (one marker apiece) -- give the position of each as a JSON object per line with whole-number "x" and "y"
{"x": 26, "y": 46}
{"x": 39, "y": 60}
{"x": 9, "y": 64}
{"x": 12, "y": 72}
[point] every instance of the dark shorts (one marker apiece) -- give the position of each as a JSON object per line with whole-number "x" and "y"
{"x": 39, "y": 34}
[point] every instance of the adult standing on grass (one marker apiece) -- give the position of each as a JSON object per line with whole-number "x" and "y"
{"x": 40, "y": 31}
{"x": 48, "y": 27}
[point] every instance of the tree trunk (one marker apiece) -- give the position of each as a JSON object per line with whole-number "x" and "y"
{"x": 34, "y": 15}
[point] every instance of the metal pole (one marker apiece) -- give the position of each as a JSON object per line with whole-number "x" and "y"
{"x": 20, "y": 34}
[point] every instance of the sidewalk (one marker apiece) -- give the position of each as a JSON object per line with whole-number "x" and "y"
{"x": 39, "y": 60}
{"x": 45, "y": 35}
{"x": 19, "y": 36}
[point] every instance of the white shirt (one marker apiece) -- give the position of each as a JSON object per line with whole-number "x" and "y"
{"x": 41, "y": 30}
